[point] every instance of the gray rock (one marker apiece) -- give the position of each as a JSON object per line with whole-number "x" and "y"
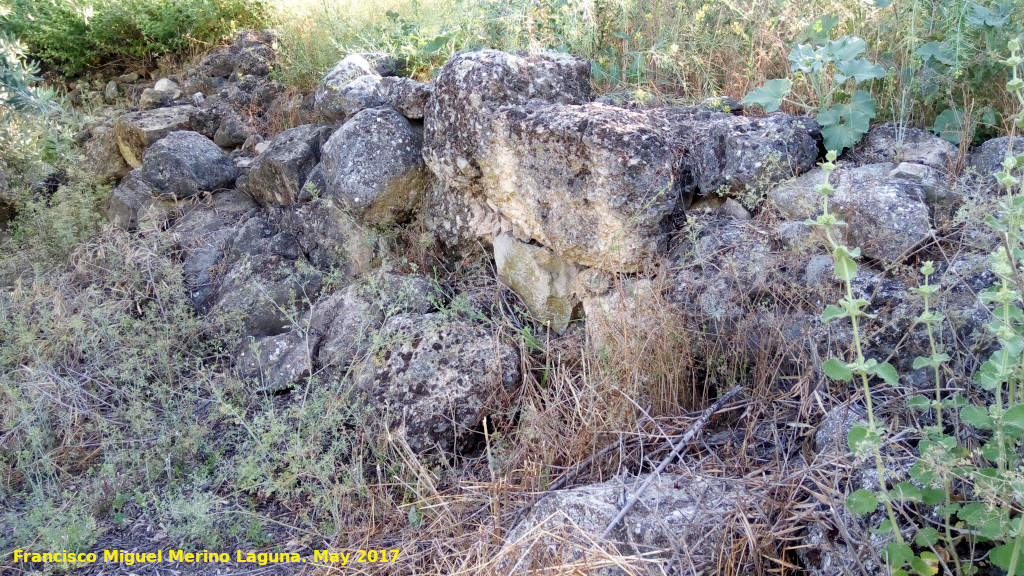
{"x": 203, "y": 235}
{"x": 169, "y": 86}
{"x": 594, "y": 183}
{"x": 279, "y": 173}
{"x": 987, "y": 159}
{"x": 332, "y": 239}
{"x": 103, "y": 158}
{"x": 128, "y": 78}
{"x": 348, "y": 321}
{"x": 135, "y": 132}
{"x": 468, "y": 89}
{"x": 406, "y": 95}
{"x": 110, "y": 92}
{"x": 373, "y": 166}
{"x": 734, "y": 154}
{"x": 277, "y": 363}
{"x": 460, "y": 221}
{"x": 219, "y": 63}
{"x": 265, "y": 294}
{"x": 185, "y": 163}
{"x": 134, "y": 201}
{"x": 688, "y": 517}
{"x": 349, "y": 87}
{"x": 231, "y": 132}
{"x": 545, "y": 282}
{"x": 152, "y": 99}
{"x": 886, "y": 216}
{"x": 886, "y": 143}
{"x": 432, "y": 379}
{"x": 256, "y": 60}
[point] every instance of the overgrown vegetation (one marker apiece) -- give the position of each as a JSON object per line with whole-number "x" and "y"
{"x": 125, "y": 31}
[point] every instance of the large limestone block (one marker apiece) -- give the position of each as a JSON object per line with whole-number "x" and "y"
{"x": 593, "y": 183}
{"x": 135, "y": 132}
{"x": 545, "y": 282}
{"x": 347, "y": 88}
{"x": 472, "y": 85}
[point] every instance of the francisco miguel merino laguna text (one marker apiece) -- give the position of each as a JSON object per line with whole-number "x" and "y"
{"x": 207, "y": 557}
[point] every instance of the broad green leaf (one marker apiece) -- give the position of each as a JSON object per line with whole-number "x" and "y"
{"x": 897, "y": 554}
{"x": 976, "y": 416}
{"x": 936, "y": 51}
{"x": 933, "y": 496}
{"x": 415, "y": 519}
{"x": 948, "y": 126}
{"x": 807, "y": 59}
{"x": 846, "y": 48}
{"x": 1002, "y": 555}
{"x": 981, "y": 17}
{"x": 861, "y": 70}
{"x": 927, "y": 564}
{"x": 816, "y": 33}
{"x": 832, "y": 312}
{"x": 884, "y": 528}
{"x": 843, "y": 125}
{"x": 927, "y": 537}
{"x": 923, "y": 472}
{"x": 906, "y": 492}
{"x": 886, "y": 372}
{"x": 837, "y": 370}
{"x": 862, "y": 502}
{"x": 769, "y": 96}
{"x": 919, "y": 402}
{"x": 844, "y": 267}
{"x": 1014, "y": 419}
{"x": 859, "y": 439}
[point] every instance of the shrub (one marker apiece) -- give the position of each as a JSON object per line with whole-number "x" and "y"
{"x": 118, "y": 30}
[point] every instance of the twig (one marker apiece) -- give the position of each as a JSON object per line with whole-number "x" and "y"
{"x": 683, "y": 440}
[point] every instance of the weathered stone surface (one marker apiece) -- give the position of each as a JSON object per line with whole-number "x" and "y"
{"x": 276, "y": 363}
{"x": 184, "y": 163}
{"x": 332, "y": 239}
{"x": 169, "y": 86}
{"x": 682, "y": 516}
{"x": 279, "y": 173}
{"x": 102, "y": 155}
{"x": 349, "y": 322}
{"x": 620, "y": 313}
{"x": 720, "y": 153}
{"x": 203, "y": 234}
{"x": 231, "y": 132}
{"x": 135, "y": 132}
{"x": 133, "y": 200}
{"x": 593, "y": 183}
{"x": 886, "y": 214}
{"x": 470, "y": 86}
{"x": 545, "y": 282}
{"x": 152, "y": 99}
{"x": 433, "y": 379}
{"x": 110, "y": 92}
{"x": 373, "y": 166}
{"x": 349, "y": 87}
{"x": 987, "y": 159}
{"x": 406, "y": 95}
{"x": 460, "y": 221}
{"x": 886, "y": 143}
{"x": 259, "y": 293}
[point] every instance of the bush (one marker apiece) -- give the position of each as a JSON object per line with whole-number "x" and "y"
{"x": 112, "y": 30}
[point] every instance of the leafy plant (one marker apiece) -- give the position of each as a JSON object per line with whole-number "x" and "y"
{"x": 829, "y": 71}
